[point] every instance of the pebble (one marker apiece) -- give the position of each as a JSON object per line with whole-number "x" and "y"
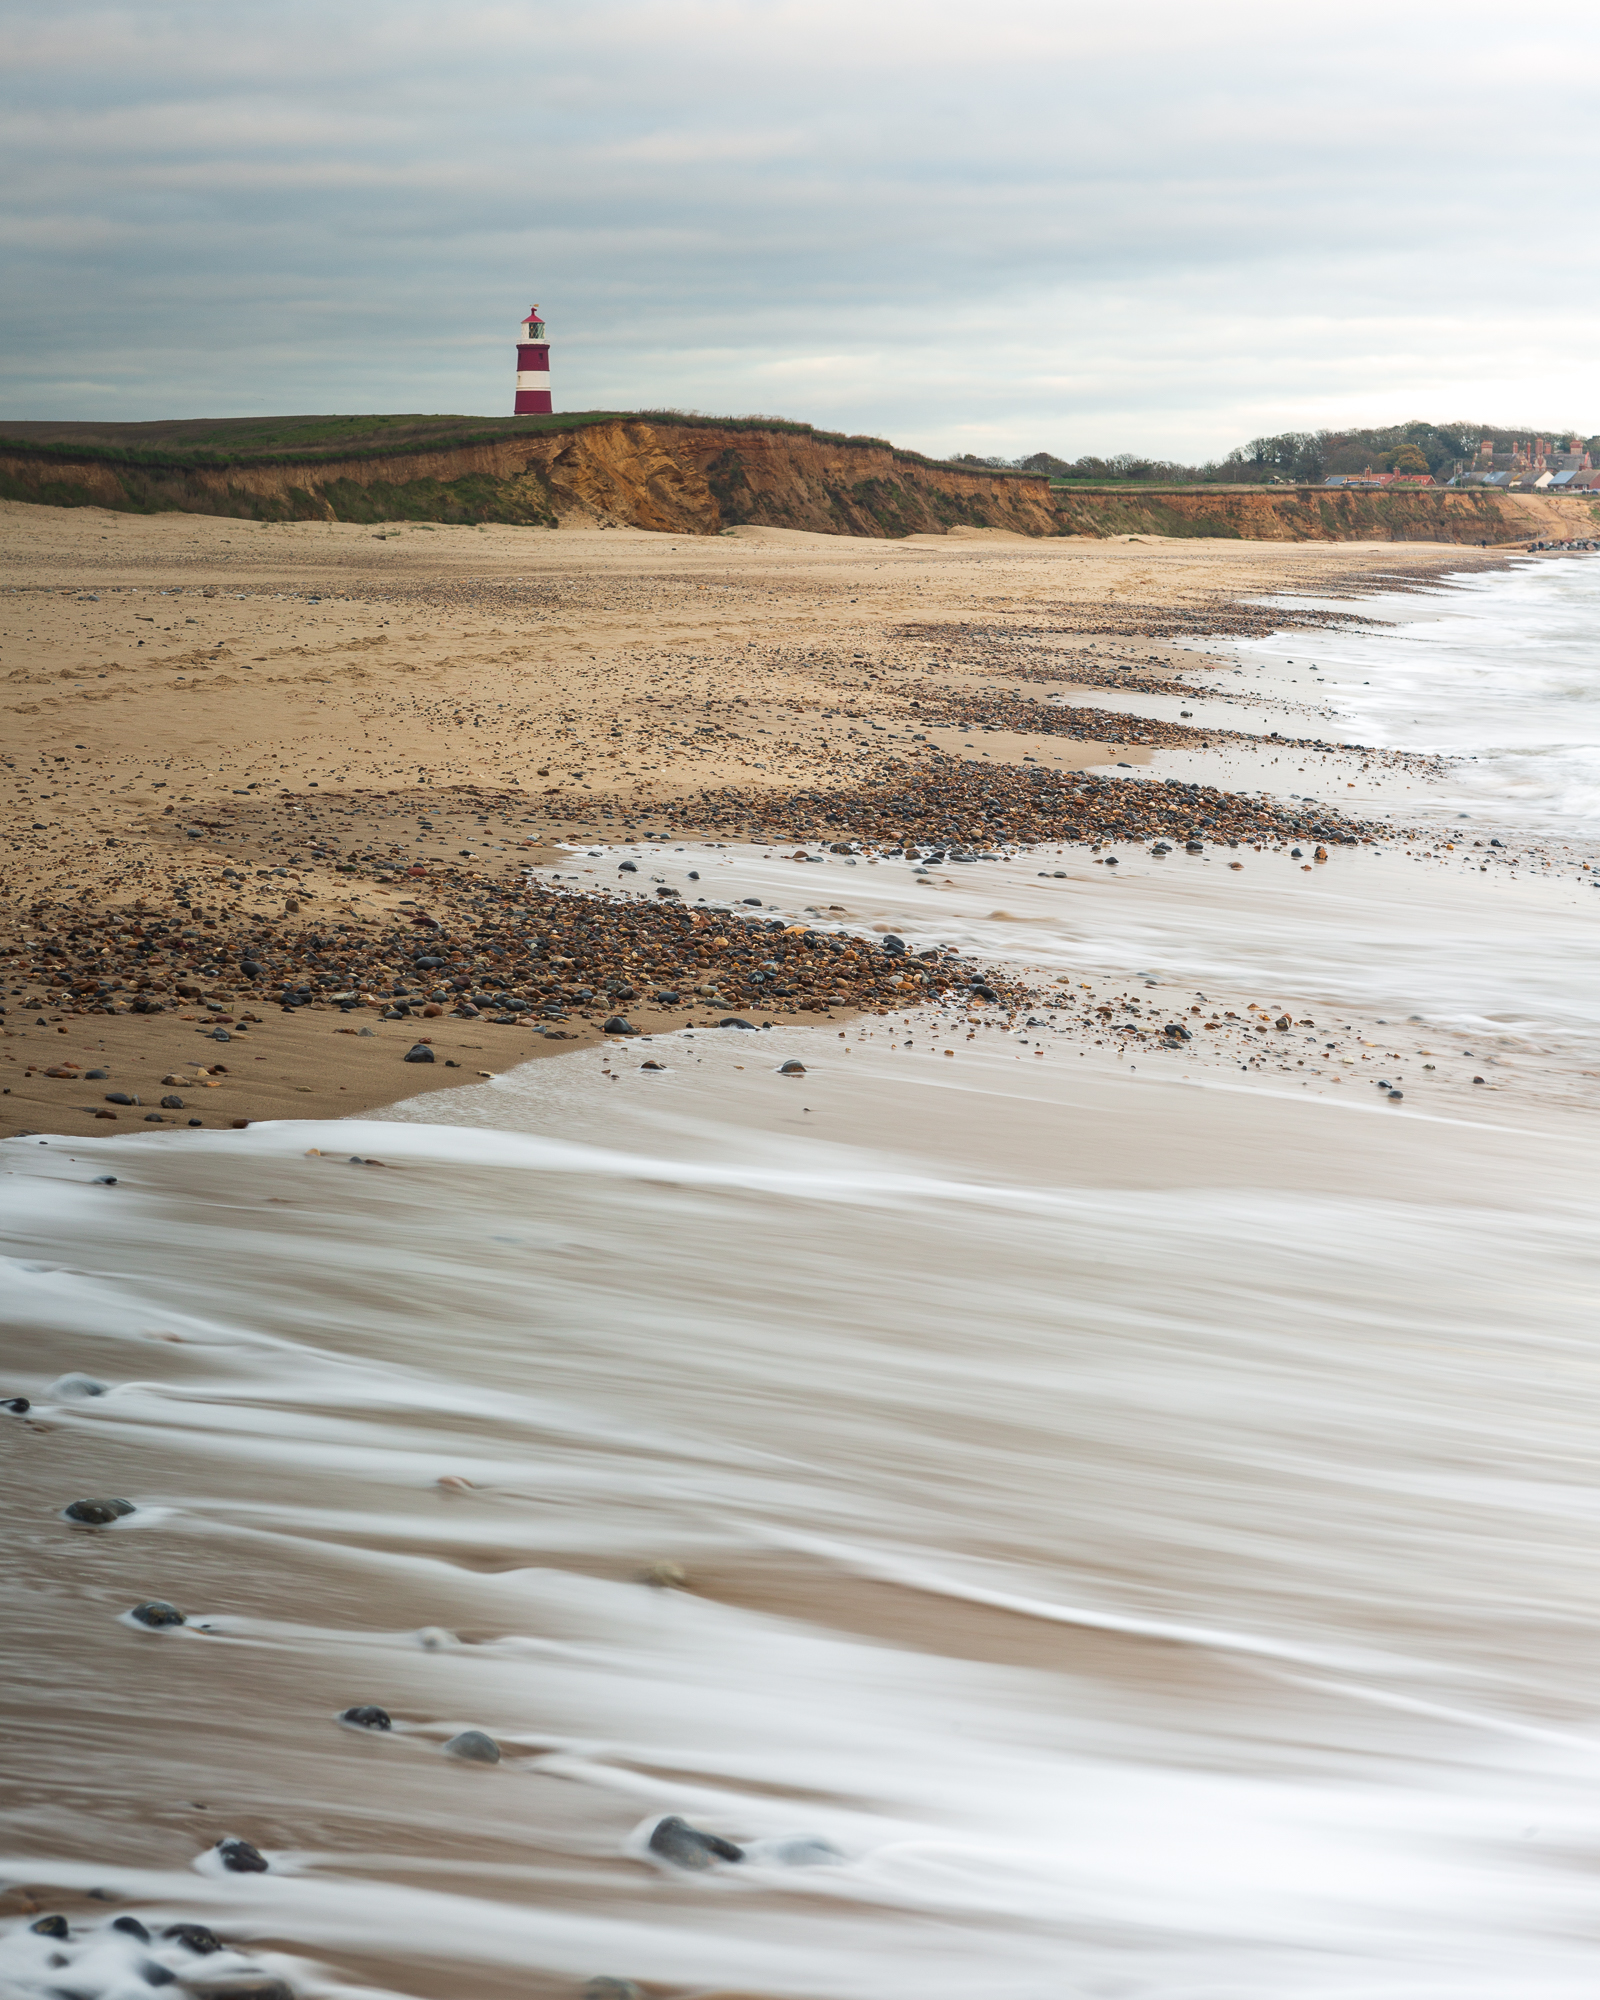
{"x": 791, "y": 1068}
{"x": 685, "y": 1846}
{"x": 96, "y": 1513}
{"x": 121, "y": 1097}
{"x": 419, "y": 1052}
{"x": 733, "y": 1021}
{"x": 131, "y": 1927}
{"x": 367, "y": 1715}
{"x": 74, "y": 1386}
{"x": 172, "y": 1103}
{"x": 652, "y": 1064}
{"x": 258, "y": 1986}
{"x": 194, "y": 1937}
{"x": 18, "y": 1406}
{"x": 157, "y": 1614}
{"x": 612, "y": 1989}
{"x": 617, "y": 1025}
{"x": 51, "y": 1926}
{"x": 474, "y": 1746}
{"x": 240, "y": 1858}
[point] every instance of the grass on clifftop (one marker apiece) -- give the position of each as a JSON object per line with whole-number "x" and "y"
{"x": 223, "y": 441}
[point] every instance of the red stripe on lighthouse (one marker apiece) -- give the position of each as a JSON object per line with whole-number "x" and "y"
{"x": 532, "y": 393}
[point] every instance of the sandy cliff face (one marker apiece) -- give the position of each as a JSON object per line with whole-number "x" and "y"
{"x": 1298, "y": 514}
{"x": 674, "y": 479}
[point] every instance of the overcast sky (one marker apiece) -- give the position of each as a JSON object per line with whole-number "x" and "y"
{"x": 993, "y": 227}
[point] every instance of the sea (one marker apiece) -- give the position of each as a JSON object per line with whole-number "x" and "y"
{"x": 1072, "y": 1520}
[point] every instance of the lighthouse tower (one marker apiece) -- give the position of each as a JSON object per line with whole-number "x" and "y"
{"x": 533, "y": 369}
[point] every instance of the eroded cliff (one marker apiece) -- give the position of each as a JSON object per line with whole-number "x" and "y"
{"x": 678, "y": 479}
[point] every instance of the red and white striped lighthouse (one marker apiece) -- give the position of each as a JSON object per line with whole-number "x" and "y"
{"x": 533, "y": 369}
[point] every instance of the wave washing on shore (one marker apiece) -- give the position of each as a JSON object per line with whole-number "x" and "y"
{"x": 1498, "y": 671}
{"x": 1072, "y": 1532}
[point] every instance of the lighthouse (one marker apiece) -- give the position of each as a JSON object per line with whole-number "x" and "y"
{"x": 533, "y": 369}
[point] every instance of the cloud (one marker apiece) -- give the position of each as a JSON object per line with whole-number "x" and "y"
{"x": 1059, "y": 225}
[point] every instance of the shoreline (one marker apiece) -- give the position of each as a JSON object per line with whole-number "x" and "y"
{"x": 259, "y": 674}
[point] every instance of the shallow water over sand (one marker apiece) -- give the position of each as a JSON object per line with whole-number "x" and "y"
{"x": 1079, "y": 1532}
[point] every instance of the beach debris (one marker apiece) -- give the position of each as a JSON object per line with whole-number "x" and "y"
{"x": 367, "y": 1715}
{"x": 96, "y": 1513}
{"x": 473, "y": 1747}
{"x": 686, "y": 1846}
{"x": 157, "y": 1614}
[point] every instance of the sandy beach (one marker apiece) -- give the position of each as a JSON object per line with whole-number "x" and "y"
{"x": 337, "y": 730}
{"x": 1053, "y": 1457}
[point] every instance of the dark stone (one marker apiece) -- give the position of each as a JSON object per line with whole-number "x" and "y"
{"x": 104, "y": 1180}
{"x": 627, "y": 868}
{"x": 1112, "y": 861}
{"x": 667, "y": 999}
{"x": 685, "y": 1846}
{"x": 250, "y": 968}
{"x": 154, "y": 1974}
{"x": 474, "y": 1746}
{"x": 754, "y": 902}
{"x": 366, "y": 1715}
{"x": 194, "y": 1937}
{"x": 1194, "y": 847}
{"x": 133, "y": 1928}
{"x": 663, "y": 890}
{"x": 985, "y": 993}
{"x": 652, "y": 1064}
{"x": 616, "y": 1025}
{"x": 733, "y": 1021}
{"x": 791, "y": 1068}
{"x": 612, "y": 1989}
{"x": 1177, "y": 1032}
{"x": 95, "y": 1075}
{"x": 172, "y": 1103}
{"x": 221, "y": 1035}
{"x": 1395, "y": 1096}
{"x": 17, "y": 1406}
{"x": 240, "y": 1858}
{"x": 120, "y": 1097}
{"x": 418, "y": 1052}
{"x": 51, "y": 1926}
{"x": 157, "y": 1614}
{"x": 254, "y": 1986}
{"x": 893, "y": 945}
{"x": 96, "y": 1513}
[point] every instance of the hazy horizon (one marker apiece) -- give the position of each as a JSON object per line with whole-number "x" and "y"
{"x": 1043, "y": 229}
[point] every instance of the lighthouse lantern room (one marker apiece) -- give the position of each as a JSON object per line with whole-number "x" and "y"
{"x": 533, "y": 369}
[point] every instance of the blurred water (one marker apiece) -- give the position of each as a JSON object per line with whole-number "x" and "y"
{"x": 1503, "y": 669}
{"x": 1186, "y": 1583}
